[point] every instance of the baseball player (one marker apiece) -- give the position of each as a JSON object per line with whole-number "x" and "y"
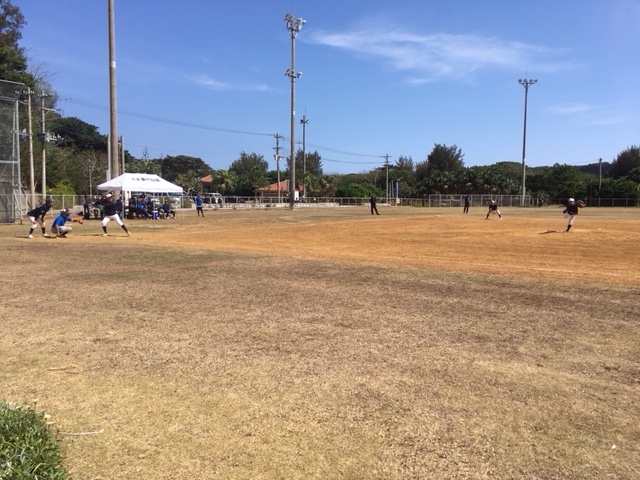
{"x": 36, "y": 217}
{"x": 58, "y": 228}
{"x": 110, "y": 213}
{"x": 493, "y": 208}
{"x": 572, "y": 212}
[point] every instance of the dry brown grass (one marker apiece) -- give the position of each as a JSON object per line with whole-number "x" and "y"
{"x": 331, "y": 344}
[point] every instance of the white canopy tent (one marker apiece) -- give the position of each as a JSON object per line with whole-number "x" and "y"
{"x": 140, "y": 182}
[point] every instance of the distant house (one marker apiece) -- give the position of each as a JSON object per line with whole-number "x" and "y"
{"x": 272, "y": 190}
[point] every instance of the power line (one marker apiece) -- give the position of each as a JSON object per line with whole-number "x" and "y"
{"x": 345, "y": 153}
{"x": 166, "y": 120}
{"x": 220, "y": 129}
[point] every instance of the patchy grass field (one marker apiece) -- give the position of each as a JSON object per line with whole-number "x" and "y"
{"x": 331, "y": 344}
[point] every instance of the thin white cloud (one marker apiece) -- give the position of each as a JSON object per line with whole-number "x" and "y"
{"x": 592, "y": 114}
{"x": 573, "y": 108}
{"x": 205, "y": 81}
{"x": 441, "y": 55}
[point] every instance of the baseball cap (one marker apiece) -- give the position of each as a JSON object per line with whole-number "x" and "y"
{"x": 572, "y": 200}
{"x": 108, "y": 195}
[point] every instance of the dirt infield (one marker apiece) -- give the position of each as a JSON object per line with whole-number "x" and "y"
{"x": 602, "y": 247}
{"x": 330, "y": 344}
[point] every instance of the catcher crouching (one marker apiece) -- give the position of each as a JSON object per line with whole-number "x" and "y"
{"x": 58, "y": 228}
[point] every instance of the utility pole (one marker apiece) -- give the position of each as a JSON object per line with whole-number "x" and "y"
{"x": 386, "y": 161}
{"x": 277, "y": 158}
{"x": 526, "y": 83}
{"x": 304, "y": 122}
{"x": 599, "y": 180}
{"x": 294, "y": 25}
{"x": 114, "y": 161}
{"x": 43, "y": 139}
{"x": 32, "y": 182}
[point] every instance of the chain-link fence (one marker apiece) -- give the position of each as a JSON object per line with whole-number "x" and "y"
{"x": 10, "y": 198}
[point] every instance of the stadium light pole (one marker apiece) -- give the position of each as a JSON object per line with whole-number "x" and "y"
{"x": 294, "y": 25}
{"x": 304, "y": 123}
{"x": 526, "y": 83}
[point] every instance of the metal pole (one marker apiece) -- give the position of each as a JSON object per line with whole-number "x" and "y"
{"x": 599, "y": 180}
{"x": 42, "y": 149}
{"x": 292, "y": 175}
{"x": 386, "y": 161}
{"x": 526, "y": 83}
{"x": 32, "y": 182}
{"x": 304, "y": 122}
{"x": 114, "y": 160}
{"x": 293, "y": 25}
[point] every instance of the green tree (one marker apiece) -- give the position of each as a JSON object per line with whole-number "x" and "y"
{"x": 445, "y": 159}
{"x": 75, "y": 134}
{"x": 625, "y": 162}
{"x": 13, "y": 61}
{"x": 11, "y": 23}
{"x": 251, "y": 171}
{"x": 171, "y": 167}
{"x": 565, "y": 181}
{"x": 619, "y": 188}
{"x": 189, "y": 181}
{"x": 358, "y": 190}
{"x": 313, "y": 163}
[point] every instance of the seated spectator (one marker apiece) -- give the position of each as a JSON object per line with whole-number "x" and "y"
{"x": 141, "y": 211}
{"x": 167, "y": 211}
{"x": 149, "y": 205}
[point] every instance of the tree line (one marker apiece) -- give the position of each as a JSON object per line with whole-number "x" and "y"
{"x": 76, "y": 155}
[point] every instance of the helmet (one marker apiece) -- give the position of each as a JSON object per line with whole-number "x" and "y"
{"x": 63, "y": 211}
{"x": 49, "y": 200}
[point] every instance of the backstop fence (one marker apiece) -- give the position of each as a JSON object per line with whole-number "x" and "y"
{"x": 10, "y": 182}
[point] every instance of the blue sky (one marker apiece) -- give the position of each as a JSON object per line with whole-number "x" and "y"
{"x": 207, "y": 78}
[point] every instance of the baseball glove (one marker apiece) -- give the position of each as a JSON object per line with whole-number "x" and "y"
{"x": 581, "y": 203}
{"x": 80, "y": 221}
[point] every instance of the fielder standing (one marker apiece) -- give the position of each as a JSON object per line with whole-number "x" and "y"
{"x": 493, "y": 208}
{"x": 110, "y": 213}
{"x": 36, "y": 217}
{"x": 572, "y": 212}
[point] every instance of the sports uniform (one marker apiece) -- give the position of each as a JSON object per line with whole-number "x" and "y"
{"x": 110, "y": 211}
{"x": 36, "y": 217}
{"x": 58, "y": 227}
{"x": 493, "y": 208}
{"x": 572, "y": 212}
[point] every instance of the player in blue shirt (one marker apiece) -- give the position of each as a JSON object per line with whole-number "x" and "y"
{"x": 36, "y": 217}
{"x": 58, "y": 227}
{"x": 199, "y": 206}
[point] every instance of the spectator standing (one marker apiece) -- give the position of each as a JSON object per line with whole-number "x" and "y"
{"x": 199, "y": 209}
{"x": 36, "y": 217}
{"x": 85, "y": 208}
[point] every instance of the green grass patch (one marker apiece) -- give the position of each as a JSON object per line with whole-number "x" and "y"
{"x": 28, "y": 447}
